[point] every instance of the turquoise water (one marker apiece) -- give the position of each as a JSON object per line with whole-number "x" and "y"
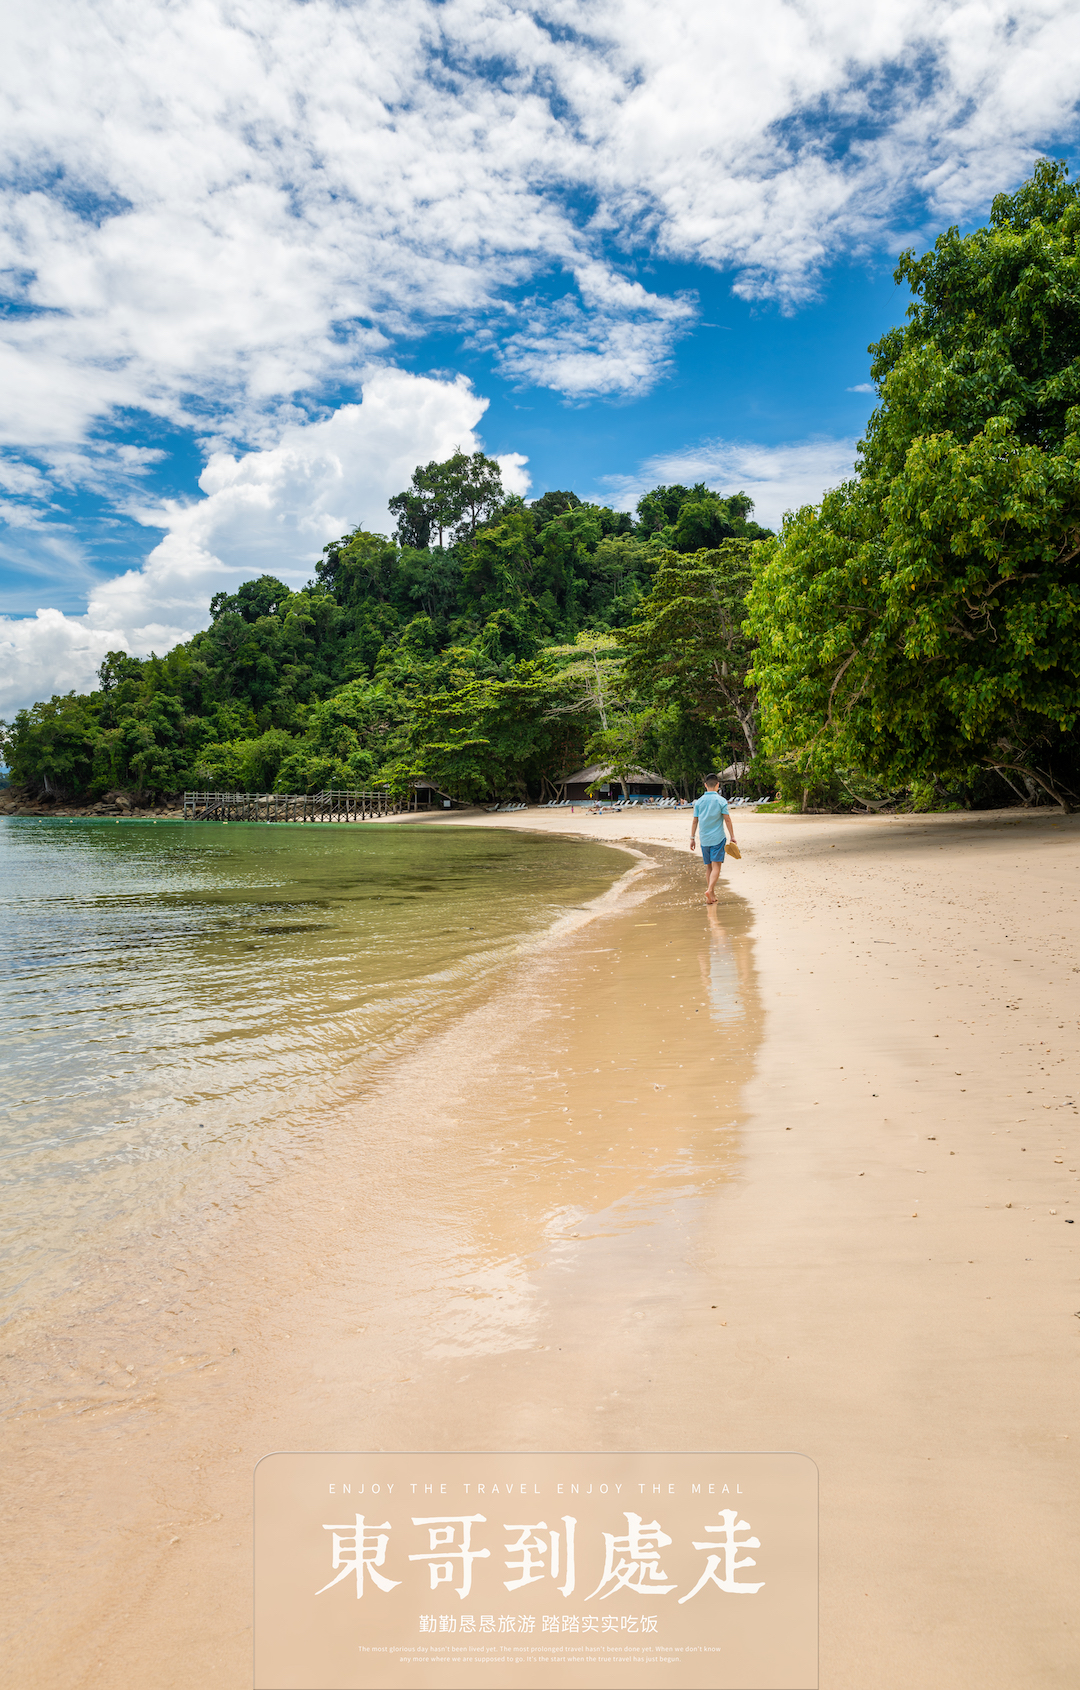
{"x": 180, "y": 1005}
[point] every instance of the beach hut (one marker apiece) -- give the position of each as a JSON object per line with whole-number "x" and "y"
{"x": 639, "y": 783}
{"x": 428, "y": 796}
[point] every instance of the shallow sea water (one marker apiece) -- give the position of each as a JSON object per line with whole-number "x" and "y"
{"x": 180, "y": 1005}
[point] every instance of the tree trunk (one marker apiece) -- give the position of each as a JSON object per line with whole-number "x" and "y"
{"x": 1029, "y": 775}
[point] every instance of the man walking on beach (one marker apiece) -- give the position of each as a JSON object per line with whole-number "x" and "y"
{"x": 712, "y": 812}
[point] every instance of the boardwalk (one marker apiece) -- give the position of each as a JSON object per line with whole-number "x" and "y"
{"x": 291, "y": 806}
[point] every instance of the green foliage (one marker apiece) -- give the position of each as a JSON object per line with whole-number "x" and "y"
{"x": 486, "y": 664}
{"x": 448, "y": 500}
{"x": 491, "y": 737}
{"x": 687, "y": 643}
{"x": 553, "y": 504}
{"x": 817, "y": 789}
{"x": 51, "y": 746}
{"x": 693, "y": 519}
{"x": 589, "y": 677}
{"x": 242, "y": 765}
{"x": 924, "y": 622}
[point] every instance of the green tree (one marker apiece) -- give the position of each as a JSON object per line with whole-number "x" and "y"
{"x": 478, "y": 482}
{"x": 490, "y": 738}
{"x": 706, "y": 521}
{"x": 659, "y": 509}
{"x": 589, "y": 678}
{"x": 552, "y": 504}
{"x": 692, "y": 519}
{"x": 687, "y": 642}
{"x": 51, "y": 745}
{"x": 430, "y": 505}
{"x": 117, "y": 668}
{"x": 253, "y": 600}
{"x": 448, "y": 499}
{"x": 924, "y": 621}
{"x": 497, "y": 571}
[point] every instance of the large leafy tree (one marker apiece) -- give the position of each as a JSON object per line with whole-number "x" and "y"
{"x": 553, "y": 503}
{"x": 687, "y": 644}
{"x": 589, "y": 678}
{"x": 448, "y": 499}
{"x": 491, "y": 738}
{"x": 924, "y": 621}
{"x": 693, "y": 519}
{"x": 51, "y": 744}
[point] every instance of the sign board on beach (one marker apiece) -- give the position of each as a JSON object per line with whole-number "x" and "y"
{"x": 553, "y": 1571}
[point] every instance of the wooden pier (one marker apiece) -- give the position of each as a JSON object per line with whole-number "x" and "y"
{"x": 292, "y": 806}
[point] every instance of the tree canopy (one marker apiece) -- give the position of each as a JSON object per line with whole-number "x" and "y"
{"x": 447, "y": 500}
{"x": 688, "y": 644}
{"x": 923, "y": 622}
{"x": 476, "y": 649}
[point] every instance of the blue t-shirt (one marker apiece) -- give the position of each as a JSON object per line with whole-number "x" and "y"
{"x": 710, "y": 811}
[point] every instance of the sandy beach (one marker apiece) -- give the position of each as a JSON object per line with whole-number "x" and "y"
{"x": 837, "y": 1222}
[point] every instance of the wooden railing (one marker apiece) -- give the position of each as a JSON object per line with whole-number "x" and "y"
{"x": 331, "y": 806}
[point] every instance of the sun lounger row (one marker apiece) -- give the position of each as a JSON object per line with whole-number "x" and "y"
{"x": 503, "y": 809}
{"x": 619, "y": 803}
{"x": 653, "y": 803}
{"x": 629, "y": 803}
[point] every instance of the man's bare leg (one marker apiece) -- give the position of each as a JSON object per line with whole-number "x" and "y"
{"x": 711, "y": 878}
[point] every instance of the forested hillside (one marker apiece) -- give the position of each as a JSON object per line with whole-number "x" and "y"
{"x": 487, "y": 662}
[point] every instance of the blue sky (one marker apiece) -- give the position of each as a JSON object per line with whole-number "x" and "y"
{"x": 257, "y": 266}
{"x": 743, "y": 372}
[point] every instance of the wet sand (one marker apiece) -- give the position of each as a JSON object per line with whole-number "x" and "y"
{"x": 792, "y": 1175}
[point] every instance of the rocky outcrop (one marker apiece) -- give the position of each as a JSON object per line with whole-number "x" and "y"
{"x": 15, "y": 801}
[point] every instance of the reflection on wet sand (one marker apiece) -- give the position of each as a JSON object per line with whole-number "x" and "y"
{"x": 603, "y": 1154}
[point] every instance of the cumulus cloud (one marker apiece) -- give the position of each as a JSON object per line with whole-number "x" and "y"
{"x": 50, "y": 653}
{"x": 263, "y": 512}
{"x": 208, "y": 208}
{"x": 614, "y": 338}
{"x": 777, "y": 478}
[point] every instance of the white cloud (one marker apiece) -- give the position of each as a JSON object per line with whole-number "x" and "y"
{"x": 50, "y": 653}
{"x": 515, "y": 477}
{"x": 41, "y": 544}
{"x": 615, "y": 339}
{"x": 264, "y": 512}
{"x": 210, "y": 208}
{"x": 773, "y": 138}
{"x": 777, "y": 478}
{"x": 24, "y": 480}
{"x": 863, "y": 387}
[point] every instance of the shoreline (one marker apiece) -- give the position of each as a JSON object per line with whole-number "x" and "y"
{"x": 227, "y": 1345}
{"x": 894, "y": 1295}
{"x": 347, "y": 1031}
{"x": 900, "y": 1246}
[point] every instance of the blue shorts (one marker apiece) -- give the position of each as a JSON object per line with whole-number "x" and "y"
{"x": 713, "y": 853}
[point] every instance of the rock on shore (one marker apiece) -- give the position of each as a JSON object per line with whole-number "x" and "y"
{"x": 16, "y": 801}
